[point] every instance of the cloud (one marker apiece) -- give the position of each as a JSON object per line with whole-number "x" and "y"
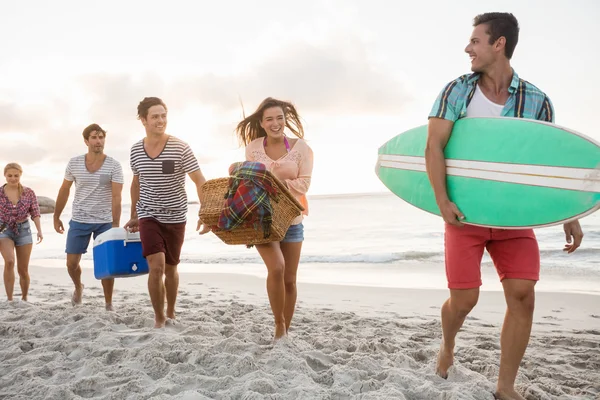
{"x": 337, "y": 78}
{"x": 332, "y": 79}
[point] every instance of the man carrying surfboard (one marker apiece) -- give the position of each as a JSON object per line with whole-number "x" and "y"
{"x": 493, "y": 90}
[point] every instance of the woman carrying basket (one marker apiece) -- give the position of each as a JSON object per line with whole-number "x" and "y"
{"x": 291, "y": 161}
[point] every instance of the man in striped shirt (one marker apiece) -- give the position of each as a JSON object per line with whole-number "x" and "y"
{"x": 96, "y": 208}
{"x": 493, "y": 90}
{"x": 160, "y": 163}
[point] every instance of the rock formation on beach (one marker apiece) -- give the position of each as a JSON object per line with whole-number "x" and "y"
{"x": 47, "y": 205}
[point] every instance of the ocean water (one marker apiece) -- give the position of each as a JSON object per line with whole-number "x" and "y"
{"x": 368, "y": 239}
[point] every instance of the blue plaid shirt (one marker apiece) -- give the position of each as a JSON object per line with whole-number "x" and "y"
{"x": 524, "y": 100}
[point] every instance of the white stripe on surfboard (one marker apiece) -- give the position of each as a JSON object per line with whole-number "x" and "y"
{"x": 580, "y": 179}
{"x": 523, "y": 169}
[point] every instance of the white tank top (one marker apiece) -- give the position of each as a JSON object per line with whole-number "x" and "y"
{"x": 481, "y": 106}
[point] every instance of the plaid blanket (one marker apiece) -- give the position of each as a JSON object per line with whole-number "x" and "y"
{"x": 247, "y": 200}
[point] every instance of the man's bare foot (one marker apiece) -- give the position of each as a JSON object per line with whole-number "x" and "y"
{"x": 508, "y": 394}
{"x": 24, "y": 298}
{"x": 444, "y": 361}
{"x": 159, "y": 322}
{"x": 77, "y": 295}
{"x": 171, "y": 315}
{"x": 109, "y": 307}
{"x": 280, "y": 330}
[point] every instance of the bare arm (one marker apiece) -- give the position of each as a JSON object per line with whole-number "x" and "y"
{"x": 133, "y": 223}
{"x": 38, "y": 227}
{"x": 34, "y": 211}
{"x": 61, "y": 202}
{"x": 117, "y": 189}
{"x": 438, "y": 134}
{"x": 134, "y": 192}
{"x": 198, "y": 178}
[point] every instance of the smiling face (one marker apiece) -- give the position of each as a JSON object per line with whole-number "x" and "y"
{"x": 273, "y": 122}
{"x": 13, "y": 177}
{"x": 483, "y": 54}
{"x": 156, "y": 120}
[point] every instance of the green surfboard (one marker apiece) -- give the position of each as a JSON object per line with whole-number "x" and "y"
{"x": 508, "y": 173}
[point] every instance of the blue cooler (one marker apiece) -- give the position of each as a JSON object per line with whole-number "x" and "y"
{"x": 118, "y": 254}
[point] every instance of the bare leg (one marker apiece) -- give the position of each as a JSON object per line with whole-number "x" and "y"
{"x": 291, "y": 255}
{"x": 7, "y": 248}
{"x": 107, "y": 286}
{"x": 454, "y": 312}
{"x": 273, "y": 258}
{"x": 23, "y": 256}
{"x": 75, "y": 274}
{"x": 516, "y": 330}
{"x": 171, "y": 286}
{"x": 156, "y": 287}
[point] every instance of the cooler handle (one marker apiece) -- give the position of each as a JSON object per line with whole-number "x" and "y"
{"x": 128, "y": 238}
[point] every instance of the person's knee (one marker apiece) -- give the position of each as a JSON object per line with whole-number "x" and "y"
{"x": 276, "y": 270}
{"x": 170, "y": 272}
{"x": 464, "y": 304}
{"x": 23, "y": 272}
{"x": 290, "y": 283}
{"x": 9, "y": 263}
{"x": 156, "y": 264}
{"x": 72, "y": 265}
{"x": 522, "y": 300}
{"x": 156, "y": 269}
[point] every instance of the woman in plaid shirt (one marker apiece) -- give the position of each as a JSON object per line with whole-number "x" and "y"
{"x": 16, "y": 204}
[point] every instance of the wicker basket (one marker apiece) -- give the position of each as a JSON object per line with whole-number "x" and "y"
{"x": 283, "y": 211}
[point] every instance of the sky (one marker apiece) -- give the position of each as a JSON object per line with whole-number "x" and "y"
{"x": 359, "y": 73}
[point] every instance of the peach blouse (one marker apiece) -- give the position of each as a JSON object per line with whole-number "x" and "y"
{"x": 294, "y": 168}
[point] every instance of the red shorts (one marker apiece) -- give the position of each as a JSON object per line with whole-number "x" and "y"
{"x": 515, "y": 253}
{"x": 162, "y": 238}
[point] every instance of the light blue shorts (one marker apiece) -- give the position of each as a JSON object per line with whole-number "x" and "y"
{"x": 294, "y": 234}
{"x": 79, "y": 234}
{"x": 24, "y": 236}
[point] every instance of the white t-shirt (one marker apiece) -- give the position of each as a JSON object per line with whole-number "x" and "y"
{"x": 93, "y": 190}
{"x": 481, "y": 106}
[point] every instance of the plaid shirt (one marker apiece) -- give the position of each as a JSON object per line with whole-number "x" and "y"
{"x": 247, "y": 200}
{"x": 524, "y": 100}
{"x": 11, "y": 214}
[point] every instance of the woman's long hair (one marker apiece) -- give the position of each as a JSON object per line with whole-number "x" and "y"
{"x": 249, "y": 128}
{"x": 18, "y": 168}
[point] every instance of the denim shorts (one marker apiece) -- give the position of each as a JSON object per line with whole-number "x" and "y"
{"x": 78, "y": 236}
{"x": 24, "y": 236}
{"x": 294, "y": 234}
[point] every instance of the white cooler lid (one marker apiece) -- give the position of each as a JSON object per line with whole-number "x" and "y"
{"x": 116, "y": 234}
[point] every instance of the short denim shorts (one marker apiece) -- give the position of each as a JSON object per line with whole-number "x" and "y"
{"x": 80, "y": 233}
{"x": 294, "y": 234}
{"x": 24, "y": 237}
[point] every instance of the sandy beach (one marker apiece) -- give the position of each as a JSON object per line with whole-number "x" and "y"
{"x": 346, "y": 342}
